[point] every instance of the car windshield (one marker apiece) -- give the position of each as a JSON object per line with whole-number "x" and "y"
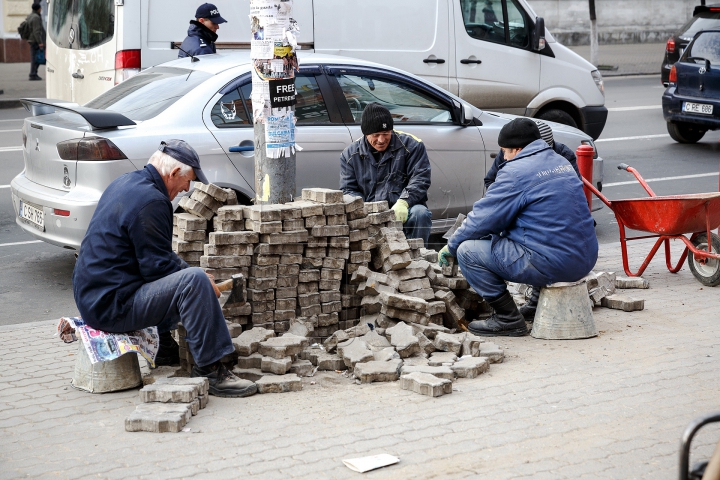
{"x": 705, "y": 47}
{"x": 149, "y": 93}
{"x": 704, "y": 21}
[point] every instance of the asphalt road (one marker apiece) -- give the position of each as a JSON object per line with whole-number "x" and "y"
{"x": 36, "y": 280}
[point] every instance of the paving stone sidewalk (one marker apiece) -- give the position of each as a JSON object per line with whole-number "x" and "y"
{"x": 609, "y": 407}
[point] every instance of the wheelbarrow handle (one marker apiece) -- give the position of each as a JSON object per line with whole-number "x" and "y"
{"x": 628, "y": 168}
{"x": 623, "y": 166}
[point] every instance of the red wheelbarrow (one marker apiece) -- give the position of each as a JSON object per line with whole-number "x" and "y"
{"x": 670, "y": 218}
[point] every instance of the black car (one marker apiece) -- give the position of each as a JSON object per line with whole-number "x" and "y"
{"x": 691, "y": 103}
{"x": 705, "y": 17}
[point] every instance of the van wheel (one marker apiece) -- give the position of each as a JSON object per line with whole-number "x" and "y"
{"x": 685, "y": 132}
{"x": 558, "y": 116}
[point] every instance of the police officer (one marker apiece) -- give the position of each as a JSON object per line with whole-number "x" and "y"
{"x": 391, "y": 166}
{"x": 202, "y": 33}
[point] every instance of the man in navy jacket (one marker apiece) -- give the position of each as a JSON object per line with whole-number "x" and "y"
{"x": 515, "y": 232}
{"x": 202, "y": 33}
{"x": 128, "y": 278}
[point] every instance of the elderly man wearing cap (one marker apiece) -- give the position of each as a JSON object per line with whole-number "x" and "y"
{"x": 127, "y": 277}
{"x": 515, "y": 233}
{"x": 528, "y": 310}
{"x": 386, "y": 165}
{"x": 202, "y": 33}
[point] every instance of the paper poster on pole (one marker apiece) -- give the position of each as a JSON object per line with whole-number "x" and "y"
{"x": 280, "y": 134}
{"x": 282, "y": 93}
{"x": 262, "y": 49}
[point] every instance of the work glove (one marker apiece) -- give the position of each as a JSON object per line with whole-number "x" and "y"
{"x": 443, "y": 256}
{"x": 401, "y": 210}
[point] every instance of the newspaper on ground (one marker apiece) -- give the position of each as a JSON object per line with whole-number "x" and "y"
{"x": 103, "y": 346}
{"x": 365, "y": 464}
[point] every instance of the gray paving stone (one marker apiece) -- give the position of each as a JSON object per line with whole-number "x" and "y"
{"x": 302, "y": 368}
{"x": 329, "y": 362}
{"x": 440, "y": 372}
{"x": 438, "y": 359}
{"x": 169, "y": 393}
{"x": 425, "y": 384}
{"x": 202, "y": 383}
{"x": 378, "y": 371}
{"x": 470, "y": 344}
{"x": 279, "y": 383}
{"x": 281, "y": 347}
{"x": 470, "y": 367}
{"x": 631, "y": 282}
{"x": 158, "y": 417}
{"x": 447, "y": 342}
{"x": 375, "y": 340}
{"x": 492, "y": 352}
{"x": 426, "y": 345}
{"x": 625, "y": 303}
{"x": 278, "y": 366}
{"x": 353, "y": 351}
{"x": 402, "y": 338}
{"x": 249, "y": 342}
{"x": 385, "y": 354}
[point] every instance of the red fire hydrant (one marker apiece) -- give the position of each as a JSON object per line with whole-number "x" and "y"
{"x": 584, "y": 155}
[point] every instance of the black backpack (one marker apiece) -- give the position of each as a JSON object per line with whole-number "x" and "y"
{"x": 24, "y": 30}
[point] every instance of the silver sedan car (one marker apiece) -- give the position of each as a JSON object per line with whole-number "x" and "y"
{"x": 72, "y": 153}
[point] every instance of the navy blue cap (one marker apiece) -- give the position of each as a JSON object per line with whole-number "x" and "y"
{"x": 209, "y": 11}
{"x": 184, "y": 153}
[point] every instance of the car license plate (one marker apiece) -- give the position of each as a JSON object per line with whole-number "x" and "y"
{"x": 32, "y": 215}
{"x": 698, "y": 108}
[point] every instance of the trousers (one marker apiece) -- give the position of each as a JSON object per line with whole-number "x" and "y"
{"x": 34, "y": 47}
{"x": 487, "y": 274}
{"x": 188, "y": 297}
{"x": 418, "y": 223}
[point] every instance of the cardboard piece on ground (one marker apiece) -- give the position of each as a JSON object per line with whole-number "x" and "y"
{"x": 365, "y": 464}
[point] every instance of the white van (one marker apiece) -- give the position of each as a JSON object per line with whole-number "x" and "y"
{"x": 496, "y": 54}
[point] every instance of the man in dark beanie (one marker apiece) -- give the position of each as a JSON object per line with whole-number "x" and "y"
{"x": 391, "y": 166}
{"x": 515, "y": 233}
{"x": 36, "y": 38}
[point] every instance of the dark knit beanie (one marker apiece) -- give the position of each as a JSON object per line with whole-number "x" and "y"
{"x": 375, "y": 118}
{"x": 36, "y": 7}
{"x": 519, "y": 133}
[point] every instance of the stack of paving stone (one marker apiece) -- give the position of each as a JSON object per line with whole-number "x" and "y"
{"x": 168, "y": 404}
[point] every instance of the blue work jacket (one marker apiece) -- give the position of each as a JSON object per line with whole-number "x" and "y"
{"x": 403, "y": 171}
{"x": 559, "y": 148}
{"x": 535, "y": 213}
{"x": 200, "y": 40}
{"x": 128, "y": 243}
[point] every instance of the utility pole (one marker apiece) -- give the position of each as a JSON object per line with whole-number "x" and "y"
{"x": 593, "y": 35}
{"x": 273, "y": 53}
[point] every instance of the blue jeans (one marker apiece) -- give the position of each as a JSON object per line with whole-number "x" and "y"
{"x": 418, "y": 223}
{"x": 487, "y": 274}
{"x": 188, "y": 297}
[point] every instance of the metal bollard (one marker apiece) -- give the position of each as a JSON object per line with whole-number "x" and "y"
{"x": 584, "y": 155}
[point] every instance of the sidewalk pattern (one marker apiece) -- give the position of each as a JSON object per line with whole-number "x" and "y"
{"x": 609, "y": 407}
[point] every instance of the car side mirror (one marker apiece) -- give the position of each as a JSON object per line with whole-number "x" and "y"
{"x": 467, "y": 114}
{"x": 539, "y": 34}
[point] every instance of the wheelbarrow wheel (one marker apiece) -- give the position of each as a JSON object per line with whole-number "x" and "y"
{"x": 706, "y": 270}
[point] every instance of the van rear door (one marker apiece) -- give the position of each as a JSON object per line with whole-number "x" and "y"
{"x": 408, "y": 34}
{"x": 496, "y": 67}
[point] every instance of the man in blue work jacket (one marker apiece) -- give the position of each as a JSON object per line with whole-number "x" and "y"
{"x": 202, "y": 33}
{"x": 533, "y": 226}
{"x": 128, "y": 278}
{"x": 392, "y": 166}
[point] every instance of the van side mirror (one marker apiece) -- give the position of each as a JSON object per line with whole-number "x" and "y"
{"x": 467, "y": 114}
{"x": 539, "y": 34}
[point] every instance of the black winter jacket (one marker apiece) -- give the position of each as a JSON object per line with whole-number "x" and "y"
{"x": 499, "y": 162}
{"x": 200, "y": 40}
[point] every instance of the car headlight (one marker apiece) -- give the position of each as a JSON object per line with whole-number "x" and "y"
{"x": 597, "y": 78}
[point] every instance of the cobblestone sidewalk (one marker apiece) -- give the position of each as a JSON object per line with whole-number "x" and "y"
{"x": 609, "y": 407}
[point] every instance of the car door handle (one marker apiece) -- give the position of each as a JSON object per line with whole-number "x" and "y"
{"x": 467, "y": 61}
{"x": 78, "y": 75}
{"x": 243, "y": 148}
{"x": 434, "y": 60}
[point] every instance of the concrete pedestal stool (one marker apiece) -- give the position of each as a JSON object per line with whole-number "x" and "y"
{"x": 102, "y": 377}
{"x": 564, "y": 312}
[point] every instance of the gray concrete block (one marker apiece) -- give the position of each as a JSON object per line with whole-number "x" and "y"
{"x": 281, "y": 347}
{"x": 329, "y": 362}
{"x": 438, "y": 359}
{"x": 404, "y": 302}
{"x": 470, "y": 344}
{"x": 251, "y": 361}
{"x": 492, "y": 352}
{"x": 188, "y": 221}
{"x": 230, "y": 213}
{"x": 248, "y": 342}
{"x": 158, "y": 417}
{"x": 405, "y": 315}
{"x": 426, "y": 384}
{"x": 333, "y": 340}
{"x": 426, "y": 345}
{"x": 625, "y": 303}
{"x": 302, "y": 368}
{"x": 385, "y": 354}
{"x": 631, "y": 282}
{"x": 403, "y": 339}
{"x": 278, "y": 366}
{"x": 470, "y": 367}
{"x": 376, "y": 207}
{"x": 323, "y": 195}
{"x": 201, "y": 383}
{"x": 439, "y": 371}
{"x": 214, "y": 191}
{"x": 353, "y": 351}
{"x": 374, "y": 340}
{"x": 279, "y": 383}
{"x": 378, "y": 371}
{"x": 446, "y": 342}
{"x": 169, "y": 393}
{"x": 195, "y": 207}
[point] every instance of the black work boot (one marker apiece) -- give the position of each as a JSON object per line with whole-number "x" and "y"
{"x": 223, "y": 383}
{"x": 528, "y": 310}
{"x": 505, "y": 322}
{"x": 169, "y": 351}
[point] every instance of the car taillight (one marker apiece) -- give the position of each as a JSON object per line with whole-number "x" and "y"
{"x": 61, "y": 213}
{"x": 127, "y": 64}
{"x": 89, "y": 149}
{"x": 673, "y": 75}
{"x": 670, "y": 45}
